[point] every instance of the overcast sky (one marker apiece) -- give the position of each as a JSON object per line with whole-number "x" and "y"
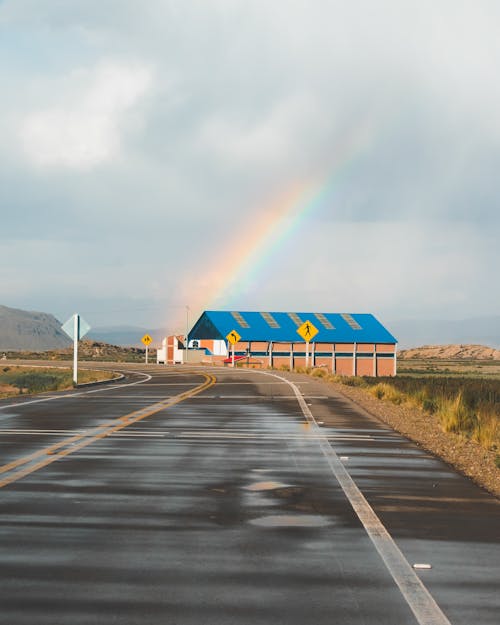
{"x": 146, "y": 146}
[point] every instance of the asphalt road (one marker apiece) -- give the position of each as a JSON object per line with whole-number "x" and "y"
{"x": 212, "y": 497}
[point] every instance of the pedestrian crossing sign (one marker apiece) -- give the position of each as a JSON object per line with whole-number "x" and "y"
{"x": 307, "y": 331}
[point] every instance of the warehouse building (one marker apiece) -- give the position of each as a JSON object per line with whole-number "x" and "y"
{"x": 345, "y": 343}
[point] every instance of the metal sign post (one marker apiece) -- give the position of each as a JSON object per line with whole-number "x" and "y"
{"x": 76, "y": 328}
{"x": 146, "y": 339}
{"x": 76, "y": 323}
{"x": 233, "y": 337}
{"x": 307, "y": 331}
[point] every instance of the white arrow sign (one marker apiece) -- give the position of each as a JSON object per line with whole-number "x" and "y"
{"x": 78, "y": 322}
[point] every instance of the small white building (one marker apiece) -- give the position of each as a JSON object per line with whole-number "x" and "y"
{"x": 171, "y": 351}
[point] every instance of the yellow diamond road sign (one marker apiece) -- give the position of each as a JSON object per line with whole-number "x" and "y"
{"x": 146, "y": 339}
{"x": 233, "y": 337}
{"x": 307, "y": 331}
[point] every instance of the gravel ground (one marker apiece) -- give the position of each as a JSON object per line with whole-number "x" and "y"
{"x": 466, "y": 456}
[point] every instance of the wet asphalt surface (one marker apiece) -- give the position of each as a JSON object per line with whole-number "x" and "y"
{"x": 221, "y": 509}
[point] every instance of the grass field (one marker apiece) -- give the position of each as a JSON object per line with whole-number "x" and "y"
{"x": 433, "y": 366}
{"x": 17, "y": 380}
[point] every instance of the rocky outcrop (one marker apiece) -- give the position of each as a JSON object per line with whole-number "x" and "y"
{"x": 451, "y": 352}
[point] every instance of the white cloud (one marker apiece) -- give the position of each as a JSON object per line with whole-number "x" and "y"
{"x": 378, "y": 267}
{"x": 396, "y": 101}
{"x": 269, "y": 139}
{"x": 86, "y": 129}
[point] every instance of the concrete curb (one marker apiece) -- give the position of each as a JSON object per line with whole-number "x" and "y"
{"x": 120, "y": 377}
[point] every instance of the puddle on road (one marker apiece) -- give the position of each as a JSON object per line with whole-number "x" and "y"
{"x": 260, "y": 486}
{"x": 292, "y": 520}
{"x": 7, "y": 415}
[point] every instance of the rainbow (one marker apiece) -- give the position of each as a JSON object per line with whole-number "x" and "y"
{"x": 242, "y": 260}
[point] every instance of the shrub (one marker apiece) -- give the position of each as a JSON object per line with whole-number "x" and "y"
{"x": 455, "y": 415}
{"x": 348, "y": 380}
{"x": 319, "y": 373}
{"x": 486, "y": 429}
{"x": 378, "y": 390}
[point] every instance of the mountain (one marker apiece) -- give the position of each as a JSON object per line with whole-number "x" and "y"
{"x": 30, "y": 330}
{"x": 476, "y": 331}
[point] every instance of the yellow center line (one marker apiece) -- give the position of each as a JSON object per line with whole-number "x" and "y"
{"x": 61, "y": 449}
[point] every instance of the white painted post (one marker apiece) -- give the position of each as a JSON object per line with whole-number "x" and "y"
{"x": 270, "y": 348}
{"x": 146, "y": 354}
{"x": 374, "y": 360}
{"x": 76, "y": 332}
{"x": 233, "y": 357}
{"x": 307, "y": 354}
{"x": 187, "y": 330}
{"x": 395, "y": 360}
{"x": 354, "y": 352}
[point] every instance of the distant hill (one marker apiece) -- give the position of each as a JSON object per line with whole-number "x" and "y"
{"x": 30, "y": 330}
{"x": 88, "y": 350}
{"x": 450, "y": 352}
{"x": 126, "y": 336}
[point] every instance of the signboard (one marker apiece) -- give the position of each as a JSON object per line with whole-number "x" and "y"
{"x": 233, "y": 337}
{"x": 147, "y": 340}
{"x": 307, "y": 331}
{"x": 82, "y": 327}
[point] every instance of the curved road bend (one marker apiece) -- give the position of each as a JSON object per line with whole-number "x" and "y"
{"x": 174, "y": 498}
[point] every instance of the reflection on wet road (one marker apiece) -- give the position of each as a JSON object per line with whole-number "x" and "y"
{"x": 221, "y": 508}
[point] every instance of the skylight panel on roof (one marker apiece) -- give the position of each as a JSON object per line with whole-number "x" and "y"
{"x": 324, "y": 321}
{"x": 351, "y": 322}
{"x": 239, "y": 318}
{"x": 271, "y": 321}
{"x": 296, "y": 319}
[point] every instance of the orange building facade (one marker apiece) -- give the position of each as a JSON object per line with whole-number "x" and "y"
{"x": 344, "y": 356}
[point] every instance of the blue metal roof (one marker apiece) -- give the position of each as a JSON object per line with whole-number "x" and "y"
{"x": 282, "y": 327}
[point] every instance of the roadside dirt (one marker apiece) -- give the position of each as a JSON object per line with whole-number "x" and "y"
{"x": 7, "y": 389}
{"x": 467, "y": 456}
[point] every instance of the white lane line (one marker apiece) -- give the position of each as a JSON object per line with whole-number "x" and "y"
{"x": 137, "y": 435}
{"x": 261, "y": 435}
{"x": 132, "y": 433}
{"x": 39, "y": 432}
{"x": 141, "y": 397}
{"x": 419, "y": 599}
{"x": 264, "y": 398}
{"x": 71, "y": 395}
{"x": 167, "y": 383}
